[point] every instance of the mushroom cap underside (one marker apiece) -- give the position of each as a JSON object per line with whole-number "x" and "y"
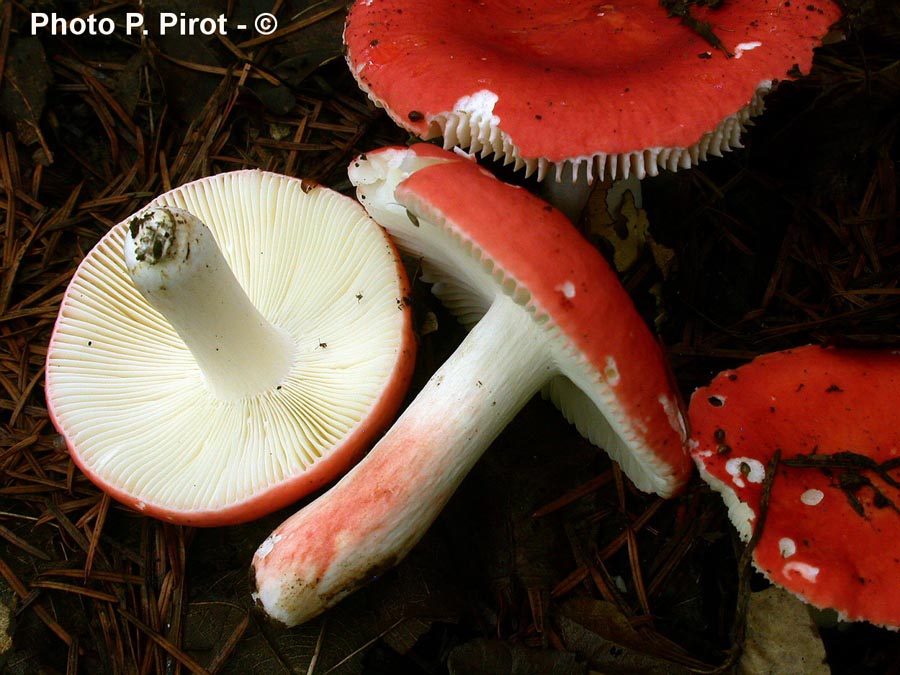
{"x": 478, "y": 237}
{"x": 124, "y": 391}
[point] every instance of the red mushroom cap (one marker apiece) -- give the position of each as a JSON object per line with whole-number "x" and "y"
{"x": 564, "y": 282}
{"x": 619, "y": 86}
{"x": 831, "y": 532}
{"x": 546, "y": 314}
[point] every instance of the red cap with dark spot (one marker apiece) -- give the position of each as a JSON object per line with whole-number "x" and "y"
{"x": 619, "y": 87}
{"x": 831, "y": 531}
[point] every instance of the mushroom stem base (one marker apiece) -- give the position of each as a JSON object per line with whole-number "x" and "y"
{"x": 377, "y": 512}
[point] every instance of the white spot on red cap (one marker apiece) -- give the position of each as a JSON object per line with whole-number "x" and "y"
{"x": 611, "y": 372}
{"x": 787, "y": 547}
{"x": 567, "y": 288}
{"x": 812, "y": 497}
{"x": 808, "y": 572}
{"x": 676, "y": 420}
{"x": 740, "y": 468}
{"x": 745, "y": 47}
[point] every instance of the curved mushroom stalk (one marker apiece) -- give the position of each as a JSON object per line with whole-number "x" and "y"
{"x": 175, "y": 263}
{"x": 547, "y": 313}
{"x": 383, "y": 506}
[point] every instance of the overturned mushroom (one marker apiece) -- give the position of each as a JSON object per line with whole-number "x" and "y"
{"x": 831, "y": 530}
{"x": 232, "y": 347}
{"x": 546, "y": 314}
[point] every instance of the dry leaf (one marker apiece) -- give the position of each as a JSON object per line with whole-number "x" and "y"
{"x": 7, "y": 621}
{"x": 627, "y": 233}
{"x": 781, "y": 637}
{"x": 489, "y": 657}
{"x": 599, "y": 632}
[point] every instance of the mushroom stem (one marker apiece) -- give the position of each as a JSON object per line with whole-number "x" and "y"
{"x": 175, "y": 263}
{"x": 369, "y": 520}
{"x": 571, "y": 196}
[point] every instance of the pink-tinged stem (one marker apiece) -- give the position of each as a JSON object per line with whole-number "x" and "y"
{"x": 369, "y": 520}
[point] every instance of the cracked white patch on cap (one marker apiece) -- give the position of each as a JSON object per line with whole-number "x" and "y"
{"x": 479, "y": 105}
{"x": 808, "y": 572}
{"x": 740, "y": 468}
{"x": 787, "y": 547}
{"x": 812, "y": 497}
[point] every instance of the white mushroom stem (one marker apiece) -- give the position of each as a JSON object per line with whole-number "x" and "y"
{"x": 571, "y": 195}
{"x": 368, "y": 521}
{"x": 177, "y": 266}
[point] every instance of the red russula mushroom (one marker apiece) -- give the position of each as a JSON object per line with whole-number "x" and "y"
{"x": 230, "y": 348}
{"x": 592, "y": 89}
{"x": 546, "y": 314}
{"x": 831, "y": 531}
